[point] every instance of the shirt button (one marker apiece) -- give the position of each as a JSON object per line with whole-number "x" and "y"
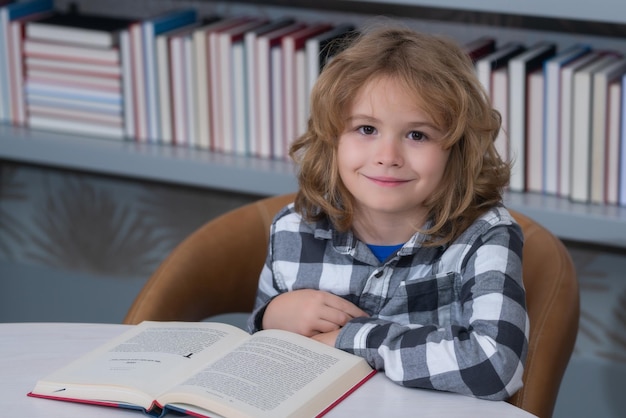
{"x": 379, "y": 274}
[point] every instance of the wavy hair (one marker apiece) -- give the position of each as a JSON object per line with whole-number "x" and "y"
{"x": 441, "y": 77}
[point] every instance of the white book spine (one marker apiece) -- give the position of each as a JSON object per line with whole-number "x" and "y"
{"x": 581, "y": 131}
{"x": 622, "y": 169}
{"x": 613, "y": 144}
{"x": 277, "y": 109}
{"x": 150, "y": 78}
{"x": 239, "y": 112}
{"x": 517, "y": 124}
{"x": 288, "y": 98}
{"x": 141, "y": 127}
{"x": 165, "y": 99}
{"x": 225, "y": 97}
{"x": 191, "y": 112}
{"x": 252, "y": 128}
{"x": 535, "y": 160}
{"x": 179, "y": 104}
{"x": 201, "y": 90}
{"x": 5, "y": 106}
{"x": 302, "y": 114}
{"x": 566, "y": 123}
{"x": 263, "y": 140}
{"x": 215, "y": 85}
{"x": 500, "y": 102}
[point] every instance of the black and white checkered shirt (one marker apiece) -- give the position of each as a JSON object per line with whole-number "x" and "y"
{"x": 450, "y": 318}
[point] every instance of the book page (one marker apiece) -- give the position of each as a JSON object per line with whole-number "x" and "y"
{"x": 273, "y": 373}
{"x": 148, "y": 358}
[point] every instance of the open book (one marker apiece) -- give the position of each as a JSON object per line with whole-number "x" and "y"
{"x": 209, "y": 369}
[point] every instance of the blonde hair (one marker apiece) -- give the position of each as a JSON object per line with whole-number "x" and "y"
{"x": 441, "y": 77}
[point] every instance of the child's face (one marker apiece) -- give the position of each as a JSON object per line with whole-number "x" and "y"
{"x": 389, "y": 155}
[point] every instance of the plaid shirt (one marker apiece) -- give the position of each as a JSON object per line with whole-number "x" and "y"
{"x": 450, "y": 318}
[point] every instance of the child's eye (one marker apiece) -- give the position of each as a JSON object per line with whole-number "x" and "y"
{"x": 367, "y": 130}
{"x": 418, "y": 136}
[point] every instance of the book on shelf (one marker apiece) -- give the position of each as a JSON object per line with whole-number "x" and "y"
{"x": 498, "y": 59}
{"x": 178, "y": 115}
{"x": 551, "y": 134}
{"x": 611, "y": 182}
{"x": 227, "y": 53}
{"x": 294, "y": 83}
{"x": 534, "y": 128}
{"x": 163, "y": 48}
{"x": 622, "y": 147}
{"x": 209, "y": 369}
{"x": 268, "y": 82}
{"x": 215, "y": 86}
{"x": 143, "y": 62}
{"x": 320, "y": 49}
{"x": 88, "y": 128}
{"x": 61, "y": 78}
{"x": 520, "y": 67}
{"x": 599, "y": 117}
{"x": 10, "y": 12}
{"x": 565, "y": 121}
{"x": 79, "y": 28}
{"x": 493, "y": 73}
{"x": 582, "y": 127}
{"x": 70, "y": 67}
{"x": 16, "y": 64}
{"x": 480, "y": 47}
{"x": 202, "y": 79}
{"x": 128, "y": 83}
{"x": 500, "y": 102}
{"x": 78, "y": 53}
{"x": 251, "y": 88}
{"x": 105, "y": 107}
{"x": 96, "y": 112}
{"x": 52, "y": 95}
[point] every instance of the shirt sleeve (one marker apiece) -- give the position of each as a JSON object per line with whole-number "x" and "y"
{"x": 481, "y": 352}
{"x": 267, "y": 288}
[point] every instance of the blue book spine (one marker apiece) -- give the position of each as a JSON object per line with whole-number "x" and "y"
{"x": 22, "y": 9}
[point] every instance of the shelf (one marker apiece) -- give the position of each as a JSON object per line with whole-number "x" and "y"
{"x": 167, "y": 164}
{"x": 610, "y": 11}
{"x": 605, "y": 225}
{"x": 598, "y": 224}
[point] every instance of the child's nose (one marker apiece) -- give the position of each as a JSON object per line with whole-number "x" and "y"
{"x": 389, "y": 152}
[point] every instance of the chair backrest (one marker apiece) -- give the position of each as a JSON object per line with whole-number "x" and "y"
{"x": 553, "y": 304}
{"x": 213, "y": 271}
{"x": 216, "y": 270}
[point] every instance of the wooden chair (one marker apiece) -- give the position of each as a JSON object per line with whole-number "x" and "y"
{"x": 216, "y": 269}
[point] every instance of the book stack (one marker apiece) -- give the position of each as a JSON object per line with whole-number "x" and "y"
{"x": 241, "y": 85}
{"x": 73, "y": 74}
{"x": 13, "y": 15}
{"x": 145, "y": 78}
{"x": 563, "y": 115}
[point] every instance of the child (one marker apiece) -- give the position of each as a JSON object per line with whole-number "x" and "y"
{"x": 397, "y": 247}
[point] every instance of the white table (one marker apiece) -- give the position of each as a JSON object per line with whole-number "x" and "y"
{"x": 29, "y": 351}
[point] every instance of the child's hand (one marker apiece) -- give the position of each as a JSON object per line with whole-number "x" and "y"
{"x": 309, "y": 312}
{"x": 328, "y": 338}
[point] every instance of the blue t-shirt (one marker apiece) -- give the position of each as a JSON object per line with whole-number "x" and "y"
{"x": 382, "y": 252}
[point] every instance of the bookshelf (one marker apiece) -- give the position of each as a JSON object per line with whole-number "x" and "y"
{"x": 160, "y": 163}
{"x": 605, "y": 225}
{"x": 600, "y": 10}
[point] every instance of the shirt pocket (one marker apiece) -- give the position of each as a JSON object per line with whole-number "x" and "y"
{"x": 424, "y": 300}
